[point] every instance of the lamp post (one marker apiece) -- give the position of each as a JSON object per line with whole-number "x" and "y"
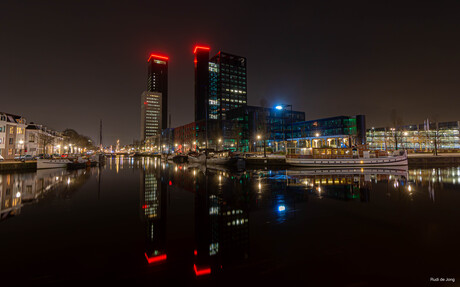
{"x": 283, "y": 107}
{"x": 265, "y": 150}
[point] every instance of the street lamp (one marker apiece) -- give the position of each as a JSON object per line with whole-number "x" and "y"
{"x": 283, "y": 107}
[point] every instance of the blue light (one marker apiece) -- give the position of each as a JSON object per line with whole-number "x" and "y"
{"x": 281, "y": 208}
{"x": 279, "y": 107}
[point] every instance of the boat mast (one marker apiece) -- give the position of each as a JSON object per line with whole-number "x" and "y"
{"x": 100, "y": 135}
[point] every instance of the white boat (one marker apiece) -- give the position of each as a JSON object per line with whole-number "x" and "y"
{"x": 336, "y": 158}
{"x": 196, "y": 158}
{"x": 52, "y": 163}
{"x": 226, "y": 158}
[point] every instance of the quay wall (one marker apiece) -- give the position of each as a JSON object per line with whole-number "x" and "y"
{"x": 18, "y": 166}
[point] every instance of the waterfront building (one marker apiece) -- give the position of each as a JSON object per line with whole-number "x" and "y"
{"x": 12, "y": 135}
{"x": 336, "y": 132}
{"x": 258, "y": 123}
{"x": 157, "y": 83}
{"x": 40, "y": 140}
{"x": 185, "y": 137}
{"x": 151, "y": 114}
{"x": 424, "y": 137}
{"x": 280, "y": 126}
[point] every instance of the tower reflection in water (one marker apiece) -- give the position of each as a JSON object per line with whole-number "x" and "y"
{"x": 224, "y": 200}
{"x": 221, "y": 219}
{"x": 153, "y": 196}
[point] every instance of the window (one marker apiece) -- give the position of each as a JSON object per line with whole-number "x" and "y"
{"x": 11, "y": 130}
{"x": 19, "y": 130}
{"x": 11, "y": 141}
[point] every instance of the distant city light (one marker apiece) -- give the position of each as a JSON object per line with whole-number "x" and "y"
{"x": 279, "y": 107}
{"x": 281, "y": 208}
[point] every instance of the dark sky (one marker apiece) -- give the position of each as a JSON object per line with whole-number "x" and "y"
{"x": 67, "y": 64}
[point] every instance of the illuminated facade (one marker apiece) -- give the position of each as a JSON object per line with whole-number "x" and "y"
{"x": 228, "y": 85}
{"x": 151, "y": 117}
{"x": 418, "y": 137}
{"x": 336, "y": 132}
{"x": 12, "y": 135}
{"x": 157, "y": 82}
{"x": 185, "y": 137}
{"x": 280, "y": 126}
{"x": 41, "y": 140}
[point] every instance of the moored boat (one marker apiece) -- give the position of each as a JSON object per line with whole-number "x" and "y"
{"x": 226, "y": 158}
{"x": 344, "y": 157}
{"x": 52, "y": 163}
{"x": 196, "y": 158}
{"x": 180, "y": 158}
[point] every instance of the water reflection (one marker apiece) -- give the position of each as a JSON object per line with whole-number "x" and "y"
{"x": 243, "y": 222}
{"x": 20, "y": 189}
{"x": 154, "y": 212}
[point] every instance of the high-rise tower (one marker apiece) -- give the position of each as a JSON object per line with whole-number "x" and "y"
{"x": 201, "y": 81}
{"x": 157, "y": 82}
{"x": 228, "y": 84}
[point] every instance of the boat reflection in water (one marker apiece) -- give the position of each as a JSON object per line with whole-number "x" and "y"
{"x": 345, "y": 183}
{"x": 20, "y": 189}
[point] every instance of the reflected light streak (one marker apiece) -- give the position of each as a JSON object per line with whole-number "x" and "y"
{"x": 154, "y": 259}
{"x": 203, "y": 271}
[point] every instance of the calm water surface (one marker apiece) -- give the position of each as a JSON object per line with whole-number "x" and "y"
{"x": 139, "y": 221}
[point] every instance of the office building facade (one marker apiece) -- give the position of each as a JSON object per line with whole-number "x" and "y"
{"x": 423, "y": 137}
{"x": 151, "y": 115}
{"x": 220, "y": 86}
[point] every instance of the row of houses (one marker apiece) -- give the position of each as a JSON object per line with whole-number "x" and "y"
{"x": 17, "y": 138}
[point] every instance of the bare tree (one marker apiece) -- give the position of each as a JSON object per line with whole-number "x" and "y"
{"x": 45, "y": 139}
{"x": 262, "y": 125}
{"x": 396, "y": 125}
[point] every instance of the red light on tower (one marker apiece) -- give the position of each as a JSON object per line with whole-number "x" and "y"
{"x": 201, "y": 48}
{"x": 155, "y": 56}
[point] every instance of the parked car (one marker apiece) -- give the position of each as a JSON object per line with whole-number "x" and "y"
{"x": 43, "y": 156}
{"x": 18, "y": 157}
{"x": 27, "y": 157}
{"x": 1, "y": 158}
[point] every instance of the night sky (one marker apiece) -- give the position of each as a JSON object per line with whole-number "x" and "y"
{"x": 67, "y": 64}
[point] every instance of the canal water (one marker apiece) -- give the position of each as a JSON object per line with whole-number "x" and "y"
{"x": 140, "y": 221}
